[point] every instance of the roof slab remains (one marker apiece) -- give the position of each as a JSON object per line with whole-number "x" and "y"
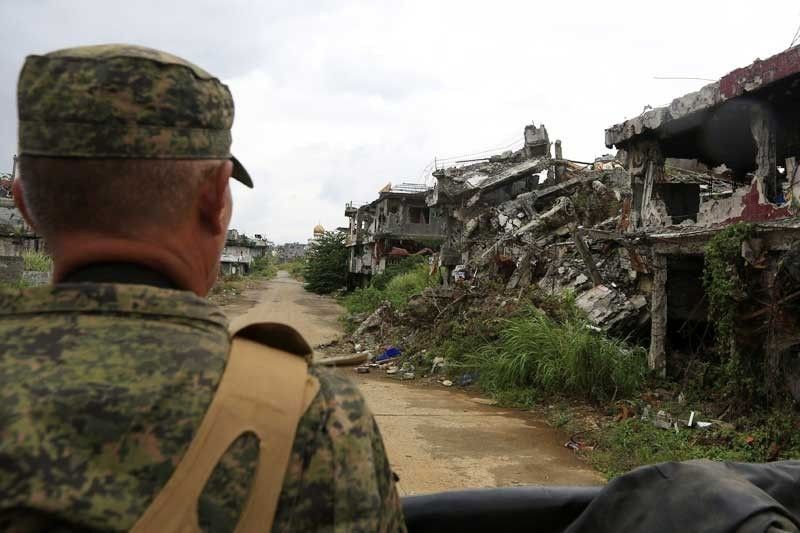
{"x": 771, "y": 80}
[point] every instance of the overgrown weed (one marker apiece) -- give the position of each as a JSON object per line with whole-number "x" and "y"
{"x": 536, "y": 351}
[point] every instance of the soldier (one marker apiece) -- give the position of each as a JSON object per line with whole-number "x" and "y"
{"x": 121, "y": 391}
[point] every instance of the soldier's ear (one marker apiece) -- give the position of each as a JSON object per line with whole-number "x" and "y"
{"x": 19, "y": 201}
{"x": 214, "y": 199}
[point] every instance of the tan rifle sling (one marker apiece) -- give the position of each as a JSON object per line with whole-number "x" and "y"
{"x": 264, "y": 391}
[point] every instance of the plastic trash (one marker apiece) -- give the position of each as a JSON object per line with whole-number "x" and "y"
{"x": 390, "y": 353}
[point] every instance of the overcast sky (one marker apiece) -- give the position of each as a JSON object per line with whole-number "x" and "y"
{"x": 336, "y": 98}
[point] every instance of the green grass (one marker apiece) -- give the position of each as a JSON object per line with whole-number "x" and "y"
{"x": 21, "y": 284}
{"x": 227, "y": 287}
{"x": 263, "y": 268}
{"x": 404, "y": 266}
{"x": 363, "y": 300}
{"x": 535, "y": 351}
{"x": 631, "y": 443}
{"x": 37, "y": 261}
{"x": 397, "y": 291}
{"x": 294, "y": 268}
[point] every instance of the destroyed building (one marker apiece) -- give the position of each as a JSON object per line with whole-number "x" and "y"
{"x": 628, "y": 233}
{"x": 397, "y": 224}
{"x": 240, "y": 251}
{"x": 744, "y": 127}
{"x": 290, "y": 251}
{"x": 16, "y": 236}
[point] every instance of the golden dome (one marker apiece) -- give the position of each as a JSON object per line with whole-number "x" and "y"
{"x": 319, "y": 230}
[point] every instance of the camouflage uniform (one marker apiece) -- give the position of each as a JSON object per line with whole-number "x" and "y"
{"x": 104, "y": 384}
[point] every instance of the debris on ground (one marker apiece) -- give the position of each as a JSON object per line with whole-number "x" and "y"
{"x": 389, "y": 353}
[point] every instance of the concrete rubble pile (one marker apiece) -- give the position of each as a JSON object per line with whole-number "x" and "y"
{"x": 523, "y": 220}
{"x": 627, "y": 233}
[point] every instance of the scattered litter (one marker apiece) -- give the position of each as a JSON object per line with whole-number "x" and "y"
{"x": 392, "y": 370}
{"x": 407, "y": 367}
{"x": 438, "y": 362}
{"x": 576, "y": 445}
{"x": 664, "y": 420}
{"x": 390, "y": 353}
{"x": 447, "y": 383}
{"x": 466, "y": 380}
{"x": 362, "y": 370}
{"x": 357, "y": 347}
{"x": 409, "y": 375}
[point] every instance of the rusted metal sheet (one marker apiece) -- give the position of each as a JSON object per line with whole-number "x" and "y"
{"x": 760, "y": 73}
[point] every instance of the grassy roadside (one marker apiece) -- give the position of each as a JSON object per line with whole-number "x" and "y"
{"x": 538, "y": 352}
{"x": 294, "y": 268}
{"x": 230, "y": 287}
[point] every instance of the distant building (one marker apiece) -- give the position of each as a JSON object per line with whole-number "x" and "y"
{"x": 240, "y": 251}
{"x": 16, "y": 236}
{"x": 290, "y": 251}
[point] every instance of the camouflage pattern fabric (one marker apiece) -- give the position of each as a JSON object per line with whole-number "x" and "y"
{"x": 123, "y": 101}
{"x": 103, "y": 386}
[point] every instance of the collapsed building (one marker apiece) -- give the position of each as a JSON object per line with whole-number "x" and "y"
{"x": 627, "y": 234}
{"x": 397, "y": 224}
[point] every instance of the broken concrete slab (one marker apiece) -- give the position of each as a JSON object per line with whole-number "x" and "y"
{"x": 608, "y": 308}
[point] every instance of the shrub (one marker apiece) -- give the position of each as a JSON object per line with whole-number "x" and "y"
{"x": 566, "y": 358}
{"x": 405, "y": 265}
{"x": 294, "y": 268}
{"x": 397, "y": 290}
{"x": 363, "y": 300}
{"x": 263, "y": 267}
{"x": 37, "y": 261}
{"x": 402, "y": 287}
{"x": 722, "y": 277}
{"x": 326, "y": 263}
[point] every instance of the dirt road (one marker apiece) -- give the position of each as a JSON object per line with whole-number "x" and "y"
{"x": 437, "y": 439}
{"x": 284, "y": 300}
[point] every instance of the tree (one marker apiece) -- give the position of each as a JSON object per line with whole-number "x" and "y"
{"x": 326, "y": 263}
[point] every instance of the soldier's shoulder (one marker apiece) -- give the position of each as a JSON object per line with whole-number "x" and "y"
{"x": 131, "y": 301}
{"x": 335, "y": 386}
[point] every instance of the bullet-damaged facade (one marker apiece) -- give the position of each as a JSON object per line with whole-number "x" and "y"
{"x": 397, "y": 224}
{"x": 743, "y": 132}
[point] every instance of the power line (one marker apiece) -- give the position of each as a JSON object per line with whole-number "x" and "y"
{"x": 796, "y": 35}
{"x": 505, "y": 144}
{"x": 482, "y": 152}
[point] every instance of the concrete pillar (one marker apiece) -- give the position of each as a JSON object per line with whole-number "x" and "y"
{"x": 646, "y": 167}
{"x": 657, "y": 358}
{"x": 764, "y": 131}
{"x": 561, "y": 168}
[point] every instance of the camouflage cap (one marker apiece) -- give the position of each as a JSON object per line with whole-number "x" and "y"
{"x": 123, "y": 101}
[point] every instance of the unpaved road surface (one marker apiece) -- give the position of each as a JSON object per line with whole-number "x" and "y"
{"x": 437, "y": 439}
{"x": 284, "y": 300}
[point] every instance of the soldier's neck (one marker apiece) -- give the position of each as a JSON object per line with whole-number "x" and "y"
{"x": 181, "y": 264}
